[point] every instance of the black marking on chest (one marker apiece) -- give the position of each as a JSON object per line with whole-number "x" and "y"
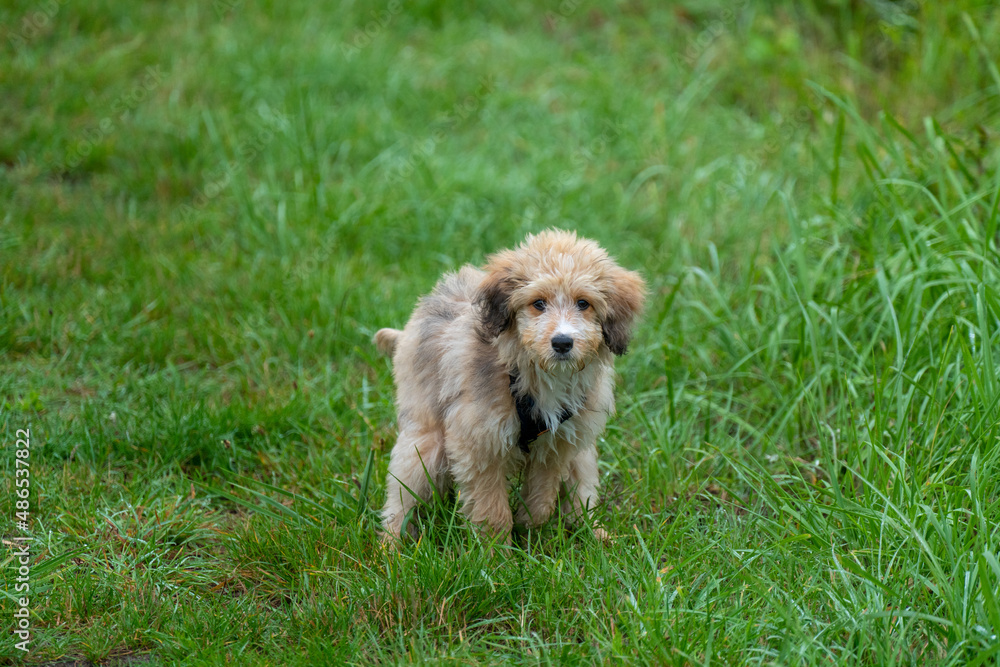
{"x": 531, "y": 427}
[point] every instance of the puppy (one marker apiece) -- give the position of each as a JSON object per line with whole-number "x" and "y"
{"x": 509, "y": 368}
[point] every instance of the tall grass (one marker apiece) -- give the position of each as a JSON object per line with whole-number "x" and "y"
{"x": 803, "y": 468}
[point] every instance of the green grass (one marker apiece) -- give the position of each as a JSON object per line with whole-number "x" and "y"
{"x": 207, "y": 210}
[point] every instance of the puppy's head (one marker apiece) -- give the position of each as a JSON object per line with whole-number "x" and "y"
{"x": 559, "y": 298}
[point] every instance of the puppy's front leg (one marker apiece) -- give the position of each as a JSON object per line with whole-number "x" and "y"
{"x": 581, "y": 484}
{"x": 539, "y": 492}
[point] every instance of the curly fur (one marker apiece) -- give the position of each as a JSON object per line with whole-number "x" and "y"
{"x": 453, "y": 363}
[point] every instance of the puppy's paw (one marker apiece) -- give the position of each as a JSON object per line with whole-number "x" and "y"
{"x": 492, "y": 538}
{"x": 523, "y": 519}
{"x": 392, "y": 532}
{"x": 603, "y": 535}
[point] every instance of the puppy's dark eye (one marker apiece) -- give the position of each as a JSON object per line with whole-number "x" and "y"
{"x": 539, "y": 305}
{"x": 582, "y": 305}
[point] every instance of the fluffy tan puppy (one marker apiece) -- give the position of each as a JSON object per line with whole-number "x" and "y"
{"x": 505, "y": 368}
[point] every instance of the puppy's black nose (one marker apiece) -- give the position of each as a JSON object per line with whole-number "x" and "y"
{"x": 562, "y": 343}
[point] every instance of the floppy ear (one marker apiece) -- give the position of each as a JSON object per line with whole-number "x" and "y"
{"x": 625, "y": 292}
{"x": 493, "y": 299}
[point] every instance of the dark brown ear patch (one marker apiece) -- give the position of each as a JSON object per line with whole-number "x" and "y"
{"x": 617, "y": 335}
{"x": 626, "y": 292}
{"x": 493, "y": 301}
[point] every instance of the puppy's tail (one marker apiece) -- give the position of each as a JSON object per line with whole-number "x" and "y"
{"x": 385, "y": 341}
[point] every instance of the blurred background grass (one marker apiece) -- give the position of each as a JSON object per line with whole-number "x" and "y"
{"x": 208, "y": 208}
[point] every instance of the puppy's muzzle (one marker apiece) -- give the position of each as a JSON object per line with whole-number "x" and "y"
{"x": 562, "y": 344}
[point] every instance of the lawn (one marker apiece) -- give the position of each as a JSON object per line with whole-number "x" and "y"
{"x": 207, "y": 209}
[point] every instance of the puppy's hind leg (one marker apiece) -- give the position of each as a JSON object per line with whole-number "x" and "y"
{"x": 418, "y": 464}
